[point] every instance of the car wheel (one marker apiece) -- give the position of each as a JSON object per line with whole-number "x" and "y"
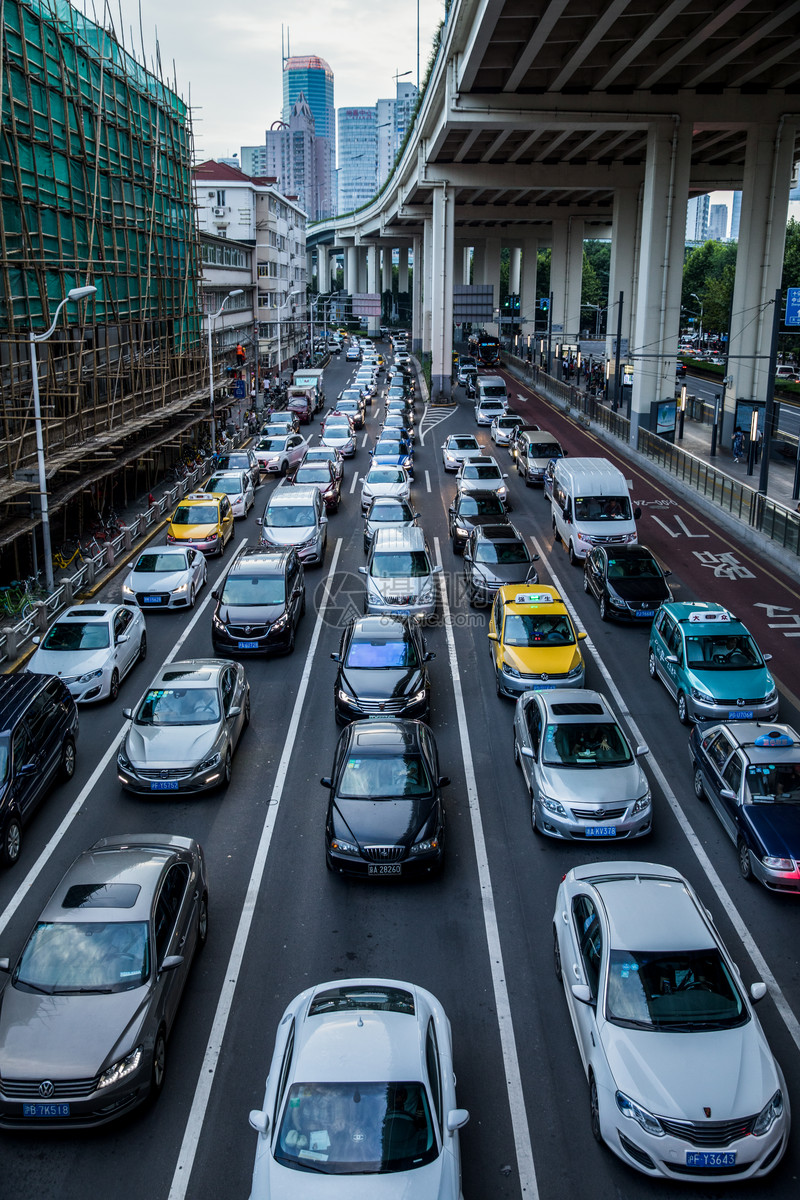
{"x": 516, "y": 752}
{"x": 222, "y": 547}
{"x": 290, "y": 643}
{"x": 497, "y": 682}
{"x": 303, "y": 604}
{"x": 556, "y": 535}
{"x": 328, "y": 862}
{"x": 159, "y": 1069}
{"x": 586, "y": 587}
{"x": 202, "y": 923}
{"x": 683, "y": 711}
{"x": 284, "y": 467}
{"x": 192, "y": 597}
{"x": 594, "y": 1109}
{"x": 573, "y": 558}
{"x": 556, "y": 955}
{"x": 604, "y": 614}
{"x": 67, "y": 767}
{"x": 227, "y": 770}
{"x": 456, "y": 548}
{"x": 745, "y": 865}
{"x": 12, "y": 842}
{"x": 113, "y": 687}
{"x": 246, "y": 721}
{"x": 699, "y": 790}
{"x": 651, "y": 665}
{"x": 143, "y": 648}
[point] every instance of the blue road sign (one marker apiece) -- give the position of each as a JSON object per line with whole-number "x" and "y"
{"x": 238, "y": 389}
{"x": 792, "y": 306}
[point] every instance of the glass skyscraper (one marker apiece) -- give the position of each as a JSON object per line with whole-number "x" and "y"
{"x": 310, "y": 76}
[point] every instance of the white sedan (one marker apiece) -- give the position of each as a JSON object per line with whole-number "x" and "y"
{"x": 458, "y": 448}
{"x": 503, "y": 427}
{"x": 280, "y": 453}
{"x": 165, "y": 577}
{"x": 483, "y": 475}
{"x": 339, "y": 435}
{"x": 92, "y": 648}
{"x": 237, "y": 486}
{"x": 682, "y": 1082}
{"x": 361, "y": 1086}
{"x": 384, "y": 481}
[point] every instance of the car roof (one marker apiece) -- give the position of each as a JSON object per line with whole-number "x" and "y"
{"x": 409, "y": 537}
{"x": 196, "y": 498}
{"x": 747, "y": 735}
{"x": 539, "y": 435}
{"x": 567, "y": 705}
{"x": 90, "y": 612}
{"x": 656, "y": 913}
{"x": 553, "y": 604}
{"x": 141, "y": 865}
{"x": 377, "y": 1046}
{"x": 497, "y": 533}
{"x": 692, "y": 615}
{"x": 483, "y": 460}
{"x": 16, "y": 693}
{"x": 387, "y": 625}
{"x": 301, "y": 494}
{"x": 257, "y": 561}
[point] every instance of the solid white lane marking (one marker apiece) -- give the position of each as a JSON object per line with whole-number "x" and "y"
{"x": 194, "y": 1124}
{"x": 427, "y": 480}
{"x": 51, "y": 846}
{"x": 355, "y": 481}
{"x": 516, "y": 1100}
{"x": 759, "y": 962}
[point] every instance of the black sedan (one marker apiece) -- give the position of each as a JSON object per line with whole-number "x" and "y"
{"x": 627, "y": 581}
{"x": 259, "y": 603}
{"x": 385, "y": 812}
{"x": 382, "y": 670}
{"x": 493, "y": 556}
{"x": 750, "y": 774}
{"x": 469, "y": 511}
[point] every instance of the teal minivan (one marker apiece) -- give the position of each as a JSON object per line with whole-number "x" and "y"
{"x": 708, "y": 661}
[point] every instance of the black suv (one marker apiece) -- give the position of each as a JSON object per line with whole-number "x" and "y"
{"x": 38, "y": 728}
{"x": 259, "y": 603}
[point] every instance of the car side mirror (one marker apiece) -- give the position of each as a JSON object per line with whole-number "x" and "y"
{"x": 581, "y": 635}
{"x": 727, "y": 794}
{"x": 527, "y": 752}
{"x": 171, "y": 962}
{"x": 767, "y": 657}
{"x": 583, "y": 993}
{"x": 505, "y": 475}
{"x": 235, "y": 710}
{"x": 492, "y": 637}
{"x": 326, "y": 781}
{"x": 26, "y": 769}
{"x": 36, "y": 640}
{"x": 437, "y": 570}
{"x": 457, "y": 1119}
{"x": 429, "y": 654}
{"x": 127, "y": 714}
{"x": 637, "y": 513}
{"x": 258, "y": 520}
{"x": 5, "y": 964}
{"x": 362, "y": 570}
{"x": 757, "y": 990}
{"x": 215, "y": 594}
{"x": 443, "y": 780}
{"x": 671, "y": 658}
{"x": 640, "y": 750}
{"x": 534, "y": 557}
{"x": 666, "y": 572}
{"x": 336, "y": 657}
{"x": 123, "y": 637}
{"x": 565, "y": 514}
{"x": 259, "y": 1121}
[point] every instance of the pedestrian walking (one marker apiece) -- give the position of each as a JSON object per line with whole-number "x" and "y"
{"x": 737, "y": 445}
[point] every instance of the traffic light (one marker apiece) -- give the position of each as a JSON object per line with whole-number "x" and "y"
{"x": 544, "y": 304}
{"x": 515, "y": 302}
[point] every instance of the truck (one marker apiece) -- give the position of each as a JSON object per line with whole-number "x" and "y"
{"x": 309, "y": 377}
{"x": 301, "y": 400}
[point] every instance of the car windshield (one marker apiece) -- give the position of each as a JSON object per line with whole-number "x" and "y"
{"x": 254, "y": 589}
{"x": 544, "y": 450}
{"x": 337, "y": 429}
{"x": 356, "y": 1128}
{"x": 85, "y": 956}
{"x": 523, "y": 629}
{"x": 385, "y": 475}
{"x": 378, "y": 653}
{"x": 774, "y": 783}
{"x": 502, "y": 552}
{"x": 320, "y": 454}
{"x": 227, "y": 484}
{"x": 290, "y": 516}
{"x": 400, "y": 563}
{"x": 737, "y": 652}
{"x": 196, "y": 514}
{"x": 179, "y": 706}
{"x": 463, "y": 443}
{"x": 489, "y": 405}
{"x": 156, "y": 564}
{"x": 585, "y": 744}
{"x": 230, "y": 462}
{"x": 391, "y": 512}
{"x": 483, "y": 506}
{"x": 600, "y": 508}
{"x": 78, "y": 635}
{"x": 271, "y": 443}
{"x": 477, "y": 471}
{"x": 312, "y": 475}
{"x": 686, "y": 991}
{"x": 384, "y": 777}
{"x": 504, "y": 422}
{"x": 635, "y": 567}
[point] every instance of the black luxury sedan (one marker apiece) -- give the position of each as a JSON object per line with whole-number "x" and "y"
{"x": 382, "y": 670}
{"x": 627, "y": 581}
{"x": 385, "y": 812}
{"x": 259, "y": 603}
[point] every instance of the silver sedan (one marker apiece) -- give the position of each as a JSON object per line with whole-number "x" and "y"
{"x": 183, "y": 734}
{"x": 582, "y": 776}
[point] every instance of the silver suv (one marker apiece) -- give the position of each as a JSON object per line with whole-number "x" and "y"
{"x": 295, "y": 516}
{"x": 400, "y": 574}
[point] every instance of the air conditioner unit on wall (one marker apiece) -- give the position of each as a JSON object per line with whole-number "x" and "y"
{"x": 218, "y": 212}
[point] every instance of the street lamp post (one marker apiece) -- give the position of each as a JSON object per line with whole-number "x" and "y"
{"x": 211, "y": 319}
{"x": 78, "y": 293}
{"x": 700, "y": 302}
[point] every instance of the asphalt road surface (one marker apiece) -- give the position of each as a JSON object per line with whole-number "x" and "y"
{"x": 480, "y": 936}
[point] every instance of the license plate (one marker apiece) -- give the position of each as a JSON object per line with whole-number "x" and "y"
{"x": 740, "y": 714}
{"x": 543, "y": 687}
{"x": 601, "y": 831}
{"x": 45, "y": 1110}
{"x": 646, "y": 612}
{"x": 248, "y": 645}
{"x": 697, "y": 1158}
{"x": 164, "y": 785}
{"x": 384, "y": 868}
{"x": 152, "y": 600}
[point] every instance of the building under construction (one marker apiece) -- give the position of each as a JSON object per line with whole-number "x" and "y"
{"x": 96, "y": 154}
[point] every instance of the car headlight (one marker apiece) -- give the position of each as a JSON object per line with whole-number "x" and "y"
{"x": 183, "y": 588}
{"x": 771, "y": 697}
{"x": 127, "y": 591}
{"x": 629, "y": 1108}
{"x": 778, "y": 864}
{"x": 769, "y": 1114}
{"x": 509, "y": 670}
{"x": 208, "y": 763}
{"x": 118, "y": 1070}
{"x": 703, "y": 696}
{"x": 615, "y": 601}
{"x": 502, "y": 492}
{"x": 281, "y": 623}
{"x": 345, "y": 697}
{"x": 90, "y": 675}
{"x": 418, "y": 697}
{"x": 344, "y": 847}
{"x": 123, "y": 761}
{"x": 211, "y": 537}
{"x": 576, "y": 672}
{"x": 642, "y": 803}
{"x": 215, "y": 621}
{"x": 428, "y": 846}
{"x": 552, "y": 805}
{"x": 427, "y": 592}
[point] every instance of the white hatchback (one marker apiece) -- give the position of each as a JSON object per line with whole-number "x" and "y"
{"x": 361, "y": 1088}
{"x": 682, "y": 1082}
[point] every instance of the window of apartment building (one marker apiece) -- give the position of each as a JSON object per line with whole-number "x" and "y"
{"x": 221, "y": 197}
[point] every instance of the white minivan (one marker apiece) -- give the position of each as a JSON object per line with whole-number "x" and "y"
{"x": 591, "y": 506}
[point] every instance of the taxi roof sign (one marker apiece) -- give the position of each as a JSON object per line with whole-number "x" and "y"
{"x": 716, "y": 617}
{"x": 533, "y": 598}
{"x": 200, "y": 496}
{"x": 773, "y": 738}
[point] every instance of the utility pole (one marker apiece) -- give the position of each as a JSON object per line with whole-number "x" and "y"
{"x": 769, "y": 408}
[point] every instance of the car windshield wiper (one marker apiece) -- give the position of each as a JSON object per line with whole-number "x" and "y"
{"x": 83, "y": 991}
{"x": 36, "y": 987}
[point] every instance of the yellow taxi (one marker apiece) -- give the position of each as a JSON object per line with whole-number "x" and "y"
{"x": 532, "y": 641}
{"x": 202, "y": 520}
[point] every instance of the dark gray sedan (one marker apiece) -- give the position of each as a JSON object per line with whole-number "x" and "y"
{"x": 85, "y": 1017}
{"x": 493, "y": 556}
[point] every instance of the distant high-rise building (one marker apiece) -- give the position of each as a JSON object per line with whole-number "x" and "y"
{"x": 718, "y": 222}
{"x": 736, "y": 213}
{"x": 311, "y": 76}
{"x": 358, "y": 157}
{"x": 697, "y": 219}
{"x": 394, "y": 119}
{"x": 298, "y": 159}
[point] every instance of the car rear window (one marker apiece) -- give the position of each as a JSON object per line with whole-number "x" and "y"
{"x": 343, "y": 999}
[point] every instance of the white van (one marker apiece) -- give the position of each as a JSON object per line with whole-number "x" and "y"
{"x": 491, "y": 387}
{"x": 591, "y": 506}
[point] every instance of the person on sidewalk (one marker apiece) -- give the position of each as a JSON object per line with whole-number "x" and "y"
{"x": 737, "y": 445}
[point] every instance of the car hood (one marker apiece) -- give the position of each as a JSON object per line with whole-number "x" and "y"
{"x": 66, "y": 1037}
{"x": 651, "y": 590}
{"x": 400, "y": 585}
{"x": 250, "y": 614}
{"x": 752, "y": 683}
{"x": 777, "y": 827}
{"x": 678, "y": 1075}
{"x": 472, "y": 522}
{"x": 534, "y": 660}
{"x": 156, "y": 581}
{"x": 499, "y": 574}
{"x": 385, "y": 684}
{"x": 423, "y": 1183}
{"x": 336, "y": 439}
{"x": 69, "y": 663}
{"x": 390, "y": 822}
{"x": 586, "y": 786}
{"x": 294, "y": 536}
{"x": 169, "y": 745}
{"x": 401, "y": 490}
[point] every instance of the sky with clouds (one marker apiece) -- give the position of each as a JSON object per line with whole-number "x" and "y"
{"x": 228, "y": 60}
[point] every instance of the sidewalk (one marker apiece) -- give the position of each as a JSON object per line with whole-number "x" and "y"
{"x": 697, "y": 441}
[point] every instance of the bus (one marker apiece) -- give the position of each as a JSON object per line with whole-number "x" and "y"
{"x": 486, "y": 349}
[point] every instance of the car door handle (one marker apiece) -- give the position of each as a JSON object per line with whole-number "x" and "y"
{"x": 576, "y": 972}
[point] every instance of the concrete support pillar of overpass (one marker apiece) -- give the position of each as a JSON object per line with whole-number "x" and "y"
{"x": 654, "y": 341}
{"x": 514, "y": 270}
{"x": 402, "y": 267}
{"x": 574, "y": 280}
{"x": 386, "y": 269}
{"x": 323, "y": 269}
{"x": 361, "y": 259}
{"x": 466, "y": 265}
{"x": 559, "y": 255}
{"x": 624, "y": 249}
{"x": 442, "y": 223}
{"x": 416, "y": 295}
{"x": 427, "y": 257}
{"x": 458, "y": 263}
{"x": 527, "y": 303}
{"x": 351, "y": 269}
{"x": 759, "y": 262}
{"x": 490, "y": 273}
{"x": 478, "y": 257}
{"x": 373, "y": 321}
